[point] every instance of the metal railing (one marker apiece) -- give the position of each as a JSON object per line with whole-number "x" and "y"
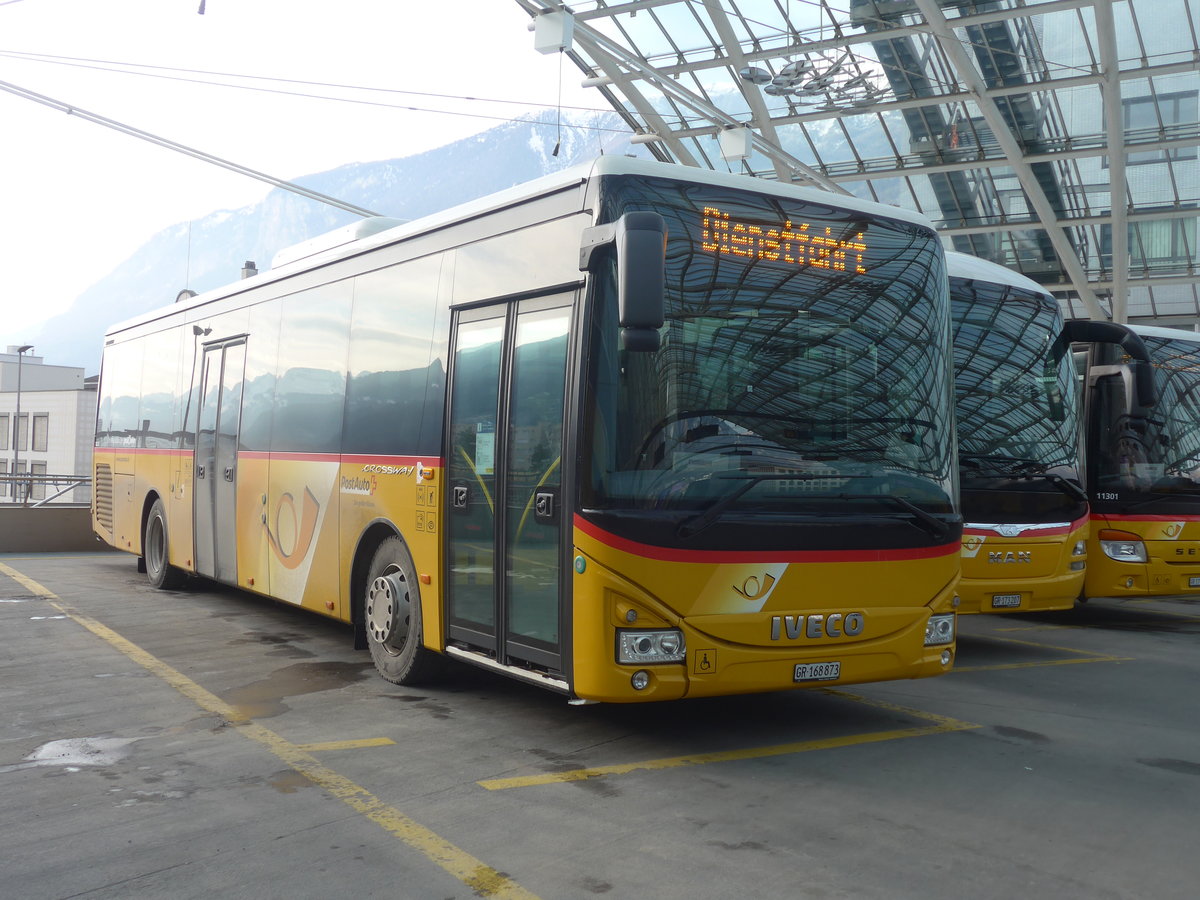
{"x": 21, "y": 488}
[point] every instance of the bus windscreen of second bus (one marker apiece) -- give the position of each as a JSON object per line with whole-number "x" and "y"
{"x": 1017, "y": 412}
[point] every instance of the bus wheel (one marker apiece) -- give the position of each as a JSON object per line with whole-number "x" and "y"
{"x": 392, "y": 613}
{"x": 159, "y": 571}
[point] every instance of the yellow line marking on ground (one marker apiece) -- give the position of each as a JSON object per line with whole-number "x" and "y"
{"x": 1042, "y": 645}
{"x": 1037, "y": 665}
{"x": 480, "y": 878}
{"x": 1034, "y": 664}
{"x": 1164, "y": 612}
{"x": 943, "y": 725}
{"x": 345, "y": 745}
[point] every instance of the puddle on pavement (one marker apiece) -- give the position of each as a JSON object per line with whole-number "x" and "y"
{"x": 263, "y": 699}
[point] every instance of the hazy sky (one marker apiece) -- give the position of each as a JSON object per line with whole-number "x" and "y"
{"x": 77, "y": 199}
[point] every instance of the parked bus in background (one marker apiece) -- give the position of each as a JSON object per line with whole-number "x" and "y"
{"x": 631, "y": 432}
{"x": 1018, "y": 413}
{"x": 1143, "y": 469}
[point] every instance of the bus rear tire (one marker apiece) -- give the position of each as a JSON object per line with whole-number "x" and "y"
{"x": 392, "y": 617}
{"x": 156, "y": 551}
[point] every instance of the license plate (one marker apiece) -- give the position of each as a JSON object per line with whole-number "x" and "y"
{"x": 822, "y": 671}
{"x": 1194, "y": 581}
{"x": 1002, "y": 600}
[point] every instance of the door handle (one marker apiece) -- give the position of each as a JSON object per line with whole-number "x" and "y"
{"x": 460, "y": 496}
{"x": 229, "y": 473}
{"x": 545, "y": 505}
{"x": 199, "y": 471}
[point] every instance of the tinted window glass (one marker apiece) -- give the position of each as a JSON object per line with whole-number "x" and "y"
{"x": 391, "y": 361}
{"x": 311, "y": 388}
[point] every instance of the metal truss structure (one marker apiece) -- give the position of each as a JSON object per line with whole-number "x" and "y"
{"x": 1012, "y": 124}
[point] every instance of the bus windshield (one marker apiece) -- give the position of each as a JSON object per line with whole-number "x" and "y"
{"x": 1157, "y": 454}
{"x": 1016, "y": 404}
{"x": 803, "y": 368}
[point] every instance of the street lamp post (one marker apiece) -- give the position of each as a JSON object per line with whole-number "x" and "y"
{"x": 21, "y": 351}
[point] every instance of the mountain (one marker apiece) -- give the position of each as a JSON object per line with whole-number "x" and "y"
{"x": 405, "y": 188}
{"x": 212, "y": 250}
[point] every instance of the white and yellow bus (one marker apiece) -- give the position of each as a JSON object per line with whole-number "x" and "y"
{"x": 630, "y": 432}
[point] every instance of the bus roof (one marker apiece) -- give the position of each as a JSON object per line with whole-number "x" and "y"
{"x": 1166, "y": 334}
{"x": 963, "y": 265}
{"x": 351, "y": 240}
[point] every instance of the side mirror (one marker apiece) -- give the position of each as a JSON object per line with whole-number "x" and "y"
{"x": 1088, "y": 331}
{"x": 640, "y": 242}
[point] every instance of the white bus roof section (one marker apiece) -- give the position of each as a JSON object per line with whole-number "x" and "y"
{"x": 963, "y": 265}
{"x": 371, "y": 233}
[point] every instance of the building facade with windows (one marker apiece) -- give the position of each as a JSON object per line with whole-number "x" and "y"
{"x": 51, "y": 441}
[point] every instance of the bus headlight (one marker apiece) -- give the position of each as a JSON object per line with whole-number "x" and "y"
{"x": 1080, "y": 548}
{"x": 1123, "y": 546}
{"x": 638, "y": 646}
{"x": 939, "y": 629}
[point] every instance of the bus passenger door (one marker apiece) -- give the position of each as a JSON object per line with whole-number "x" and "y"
{"x": 504, "y": 475}
{"x": 215, "y": 492}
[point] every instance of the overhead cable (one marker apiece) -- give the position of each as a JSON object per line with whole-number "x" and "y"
{"x": 182, "y": 148}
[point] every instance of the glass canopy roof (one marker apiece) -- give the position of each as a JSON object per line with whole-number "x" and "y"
{"x": 1011, "y": 124}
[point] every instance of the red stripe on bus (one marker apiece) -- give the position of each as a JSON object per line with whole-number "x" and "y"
{"x": 1112, "y": 517}
{"x": 672, "y": 554}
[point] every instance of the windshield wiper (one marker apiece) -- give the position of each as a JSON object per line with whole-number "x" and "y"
{"x": 694, "y": 525}
{"x": 1174, "y": 495}
{"x": 930, "y": 523}
{"x": 1019, "y": 465}
{"x": 1066, "y": 485}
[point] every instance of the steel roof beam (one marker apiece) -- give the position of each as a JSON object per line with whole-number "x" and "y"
{"x": 593, "y": 42}
{"x": 1110, "y": 91}
{"x": 754, "y": 97}
{"x": 1081, "y": 222}
{"x": 970, "y": 77}
{"x": 848, "y": 40}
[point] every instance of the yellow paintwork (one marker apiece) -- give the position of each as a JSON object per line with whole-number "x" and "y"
{"x": 1036, "y": 566}
{"x": 1172, "y": 548}
{"x": 726, "y": 620}
{"x": 299, "y": 521}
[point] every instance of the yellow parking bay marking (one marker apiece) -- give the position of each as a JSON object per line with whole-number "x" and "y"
{"x": 482, "y": 879}
{"x": 345, "y": 745}
{"x": 941, "y": 725}
{"x": 1085, "y": 656}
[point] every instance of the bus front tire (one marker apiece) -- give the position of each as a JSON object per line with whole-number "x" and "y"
{"x": 392, "y": 617}
{"x": 156, "y": 551}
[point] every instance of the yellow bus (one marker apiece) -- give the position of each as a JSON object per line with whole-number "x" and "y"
{"x": 630, "y": 432}
{"x": 1018, "y": 415}
{"x": 1144, "y": 465}
{"x": 1024, "y": 543}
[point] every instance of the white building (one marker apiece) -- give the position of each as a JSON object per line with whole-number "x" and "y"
{"x": 54, "y": 434}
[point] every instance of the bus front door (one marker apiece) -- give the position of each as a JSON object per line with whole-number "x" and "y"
{"x": 214, "y": 500}
{"x": 504, "y": 476}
